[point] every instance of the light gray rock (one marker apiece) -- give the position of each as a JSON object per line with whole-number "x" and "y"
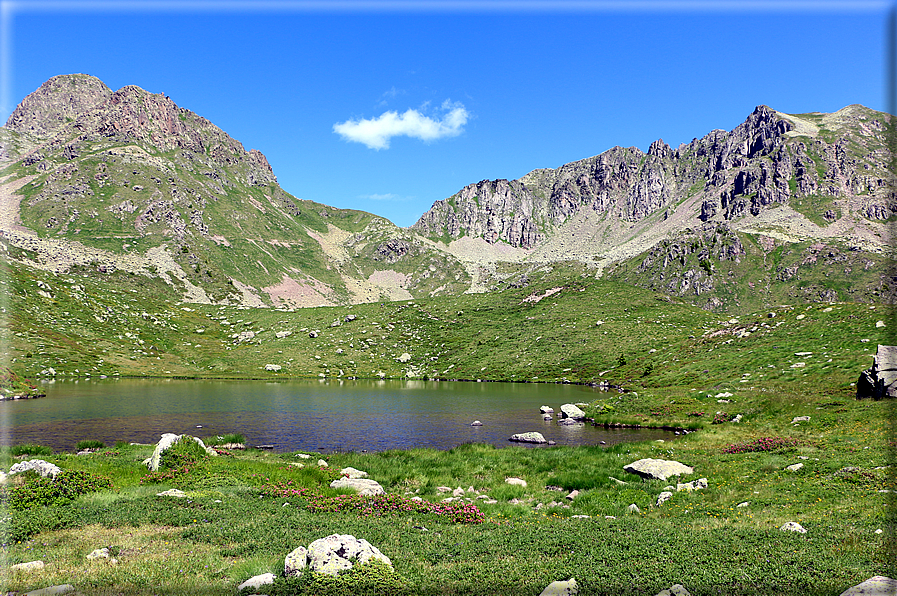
{"x": 880, "y": 381}
{"x": 573, "y": 494}
{"x": 698, "y": 484}
{"x": 29, "y": 566}
{"x": 296, "y": 562}
{"x": 405, "y": 357}
{"x": 663, "y": 497}
{"x": 363, "y": 486}
{"x": 516, "y": 481}
{"x": 353, "y": 473}
{"x": 99, "y": 553}
{"x": 546, "y": 417}
{"x": 794, "y": 467}
{"x": 797, "y": 419}
{"x": 675, "y": 590}
{"x": 52, "y": 590}
{"x": 167, "y": 440}
{"x": 633, "y": 509}
{"x": 530, "y": 437}
{"x": 878, "y": 585}
{"x": 546, "y": 410}
{"x": 572, "y": 411}
{"x": 569, "y": 422}
{"x": 257, "y": 581}
{"x": 172, "y": 492}
{"x": 659, "y": 469}
{"x": 337, "y": 552}
{"x": 476, "y": 423}
{"x": 40, "y": 466}
{"x": 272, "y": 367}
{"x": 561, "y": 588}
{"x": 793, "y": 527}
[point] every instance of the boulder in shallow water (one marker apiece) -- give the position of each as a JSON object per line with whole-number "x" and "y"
{"x": 530, "y": 437}
{"x": 572, "y": 411}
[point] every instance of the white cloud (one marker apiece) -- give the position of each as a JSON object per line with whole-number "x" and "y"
{"x": 377, "y": 132}
{"x": 383, "y": 197}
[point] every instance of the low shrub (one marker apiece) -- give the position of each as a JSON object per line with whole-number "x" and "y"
{"x": 49, "y": 492}
{"x": 224, "y": 439}
{"x": 30, "y": 522}
{"x": 89, "y": 444}
{"x": 183, "y": 452}
{"x": 30, "y": 449}
{"x": 764, "y": 444}
{"x": 373, "y": 578}
{"x": 720, "y": 418}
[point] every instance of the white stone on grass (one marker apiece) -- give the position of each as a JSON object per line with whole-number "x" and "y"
{"x": 353, "y": 473}
{"x": 257, "y": 581}
{"x": 659, "y": 469}
{"x": 38, "y": 465}
{"x": 516, "y": 481}
{"x": 793, "y": 527}
{"x": 363, "y": 486}
{"x": 29, "y": 566}
{"x": 561, "y": 588}
{"x": 878, "y": 585}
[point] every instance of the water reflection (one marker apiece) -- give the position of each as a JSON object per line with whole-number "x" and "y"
{"x": 294, "y": 415}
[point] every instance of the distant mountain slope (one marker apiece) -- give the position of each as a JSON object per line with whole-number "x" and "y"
{"x": 129, "y": 180}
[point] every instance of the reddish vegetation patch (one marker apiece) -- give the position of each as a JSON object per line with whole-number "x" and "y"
{"x": 290, "y": 292}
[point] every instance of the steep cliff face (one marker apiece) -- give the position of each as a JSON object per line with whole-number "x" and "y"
{"x": 809, "y": 162}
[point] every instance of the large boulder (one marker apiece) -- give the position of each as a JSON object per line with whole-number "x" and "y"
{"x": 333, "y": 554}
{"x": 874, "y": 586}
{"x": 659, "y": 469}
{"x": 40, "y": 466}
{"x": 257, "y": 581}
{"x": 881, "y": 380}
{"x": 531, "y": 437}
{"x": 363, "y": 486}
{"x": 167, "y": 440}
{"x": 572, "y": 411}
{"x": 561, "y": 588}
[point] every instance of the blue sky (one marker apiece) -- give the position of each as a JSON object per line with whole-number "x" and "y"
{"x": 388, "y": 107}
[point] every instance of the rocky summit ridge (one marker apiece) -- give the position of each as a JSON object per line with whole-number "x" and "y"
{"x": 802, "y": 205}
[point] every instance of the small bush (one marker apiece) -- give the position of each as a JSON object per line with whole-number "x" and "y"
{"x": 89, "y": 444}
{"x": 224, "y": 439}
{"x": 30, "y": 449}
{"x": 764, "y": 444}
{"x": 185, "y": 452}
{"x": 373, "y": 578}
{"x": 720, "y": 418}
{"x": 49, "y": 492}
{"x": 30, "y": 522}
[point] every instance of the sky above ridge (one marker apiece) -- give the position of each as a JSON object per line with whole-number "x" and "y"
{"x": 389, "y": 106}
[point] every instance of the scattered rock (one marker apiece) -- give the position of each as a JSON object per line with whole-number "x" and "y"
{"x": 40, "y": 466}
{"x": 272, "y": 367}
{"x": 675, "y": 590}
{"x": 569, "y": 422}
{"x": 530, "y": 437}
{"x": 546, "y": 417}
{"x": 659, "y": 469}
{"x": 313, "y": 334}
{"x": 743, "y": 504}
{"x": 337, "y": 552}
{"x": 172, "y": 492}
{"x": 879, "y": 324}
{"x": 353, "y": 473}
{"x": 797, "y": 419}
{"x": 257, "y": 581}
{"x": 476, "y": 423}
{"x": 663, "y": 497}
{"x": 633, "y": 509}
{"x": 546, "y": 410}
{"x": 573, "y": 494}
{"x": 363, "y": 486}
{"x": 283, "y": 334}
{"x": 698, "y": 484}
{"x": 405, "y": 357}
{"x": 794, "y": 467}
{"x": 561, "y": 588}
{"x": 30, "y": 566}
{"x": 100, "y": 553}
{"x": 167, "y": 440}
{"x": 350, "y": 318}
{"x": 572, "y": 411}
{"x": 322, "y": 463}
{"x": 793, "y": 527}
{"x": 516, "y": 481}
{"x": 52, "y": 590}
{"x": 878, "y": 585}
{"x": 737, "y": 419}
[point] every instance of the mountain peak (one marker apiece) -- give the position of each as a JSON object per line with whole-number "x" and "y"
{"x": 59, "y": 100}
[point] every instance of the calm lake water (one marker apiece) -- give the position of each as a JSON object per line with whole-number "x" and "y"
{"x": 295, "y": 415}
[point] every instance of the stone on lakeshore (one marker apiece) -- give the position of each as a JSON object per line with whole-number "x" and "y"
{"x": 546, "y": 410}
{"x": 572, "y": 411}
{"x": 659, "y": 469}
{"x": 231, "y": 446}
{"x": 879, "y": 585}
{"x": 363, "y": 486}
{"x": 272, "y": 367}
{"x": 336, "y": 552}
{"x": 530, "y": 437}
{"x": 794, "y": 467}
{"x": 516, "y": 481}
{"x": 476, "y": 423}
{"x": 322, "y": 463}
{"x": 405, "y": 357}
{"x": 561, "y": 588}
{"x": 793, "y": 527}
{"x": 675, "y": 590}
{"x": 44, "y": 468}
{"x": 167, "y": 440}
{"x": 29, "y": 566}
{"x": 663, "y": 497}
{"x": 52, "y": 590}
{"x": 353, "y": 473}
{"x": 546, "y": 417}
{"x": 257, "y": 581}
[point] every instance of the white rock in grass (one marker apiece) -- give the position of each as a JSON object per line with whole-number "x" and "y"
{"x": 30, "y": 566}
{"x": 257, "y": 581}
{"x": 659, "y": 469}
{"x": 794, "y": 467}
{"x": 353, "y": 473}
{"x": 516, "y": 481}
{"x": 296, "y": 561}
{"x": 363, "y": 486}
{"x": 337, "y": 552}
{"x": 675, "y": 590}
{"x": 663, "y": 497}
{"x": 52, "y": 590}
{"x": 100, "y": 553}
{"x": 633, "y": 509}
{"x": 561, "y": 588}
{"x": 167, "y": 440}
{"x": 793, "y": 527}
{"x": 40, "y": 466}
{"x": 874, "y": 586}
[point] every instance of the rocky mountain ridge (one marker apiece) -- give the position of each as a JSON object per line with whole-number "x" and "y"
{"x": 127, "y": 181}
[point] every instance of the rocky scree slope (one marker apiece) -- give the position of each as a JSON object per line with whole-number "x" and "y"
{"x": 127, "y": 180}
